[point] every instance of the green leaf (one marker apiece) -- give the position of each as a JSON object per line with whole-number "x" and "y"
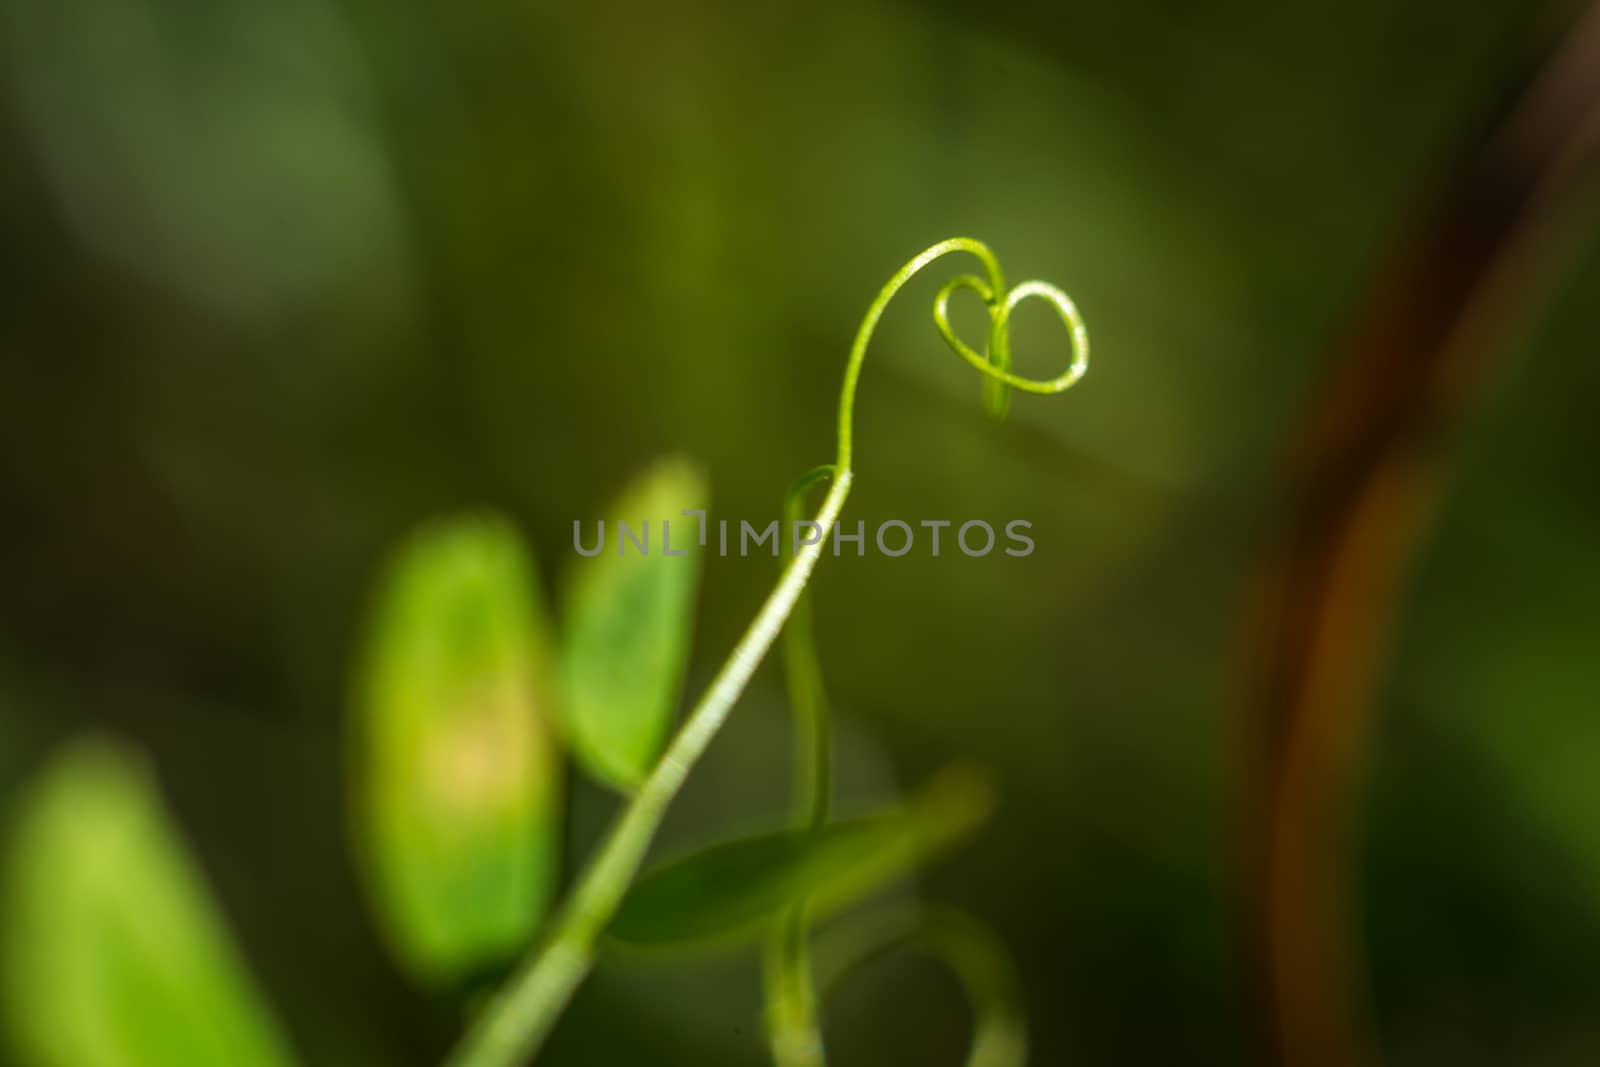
{"x": 629, "y": 616}
{"x": 730, "y": 891}
{"x": 113, "y": 953}
{"x": 457, "y": 781}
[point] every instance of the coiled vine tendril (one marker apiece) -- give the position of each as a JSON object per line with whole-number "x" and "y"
{"x": 515, "y": 1023}
{"x": 794, "y": 1029}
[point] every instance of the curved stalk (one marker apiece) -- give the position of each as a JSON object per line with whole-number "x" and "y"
{"x": 794, "y": 1030}
{"x": 515, "y": 1023}
{"x": 974, "y": 956}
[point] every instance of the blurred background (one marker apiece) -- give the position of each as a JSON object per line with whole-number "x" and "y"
{"x": 283, "y": 280}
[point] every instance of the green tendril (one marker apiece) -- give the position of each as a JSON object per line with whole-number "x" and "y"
{"x": 803, "y": 678}
{"x": 794, "y": 1029}
{"x": 971, "y": 952}
{"x": 793, "y": 1026}
{"x": 515, "y": 1023}
{"x": 794, "y": 1033}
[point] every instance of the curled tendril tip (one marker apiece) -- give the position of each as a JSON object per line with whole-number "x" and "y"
{"x": 976, "y": 957}
{"x": 514, "y": 1024}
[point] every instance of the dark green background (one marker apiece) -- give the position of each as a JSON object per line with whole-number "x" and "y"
{"x": 281, "y": 280}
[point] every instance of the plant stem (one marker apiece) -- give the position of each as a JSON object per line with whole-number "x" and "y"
{"x": 802, "y": 675}
{"x": 516, "y": 1021}
{"x": 974, "y": 956}
{"x": 793, "y": 1032}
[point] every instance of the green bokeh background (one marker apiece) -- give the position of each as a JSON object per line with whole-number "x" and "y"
{"x": 283, "y": 280}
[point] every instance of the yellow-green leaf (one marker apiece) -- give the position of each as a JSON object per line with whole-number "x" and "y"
{"x": 733, "y": 890}
{"x": 113, "y": 952}
{"x": 457, "y": 782}
{"x": 628, "y": 620}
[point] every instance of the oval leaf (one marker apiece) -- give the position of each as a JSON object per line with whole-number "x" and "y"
{"x": 113, "y": 952}
{"x": 629, "y": 615}
{"x": 456, "y": 801}
{"x": 733, "y": 890}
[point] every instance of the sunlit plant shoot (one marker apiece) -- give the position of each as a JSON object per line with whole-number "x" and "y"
{"x": 466, "y": 696}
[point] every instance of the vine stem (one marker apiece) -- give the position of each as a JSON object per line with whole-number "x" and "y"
{"x": 794, "y": 1026}
{"x": 974, "y": 956}
{"x": 794, "y": 1030}
{"x": 515, "y": 1023}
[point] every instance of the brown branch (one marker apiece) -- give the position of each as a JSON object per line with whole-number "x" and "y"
{"x": 1364, "y": 482}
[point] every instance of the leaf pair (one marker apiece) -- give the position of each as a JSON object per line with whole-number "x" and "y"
{"x": 112, "y": 952}
{"x": 465, "y": 695}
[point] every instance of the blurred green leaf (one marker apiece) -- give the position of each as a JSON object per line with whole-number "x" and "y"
{"x": 113, "y": 952}
{"x": 457, "y": 782}
{"x": 629, "y": 616}
{"x": 729, "y": 891}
